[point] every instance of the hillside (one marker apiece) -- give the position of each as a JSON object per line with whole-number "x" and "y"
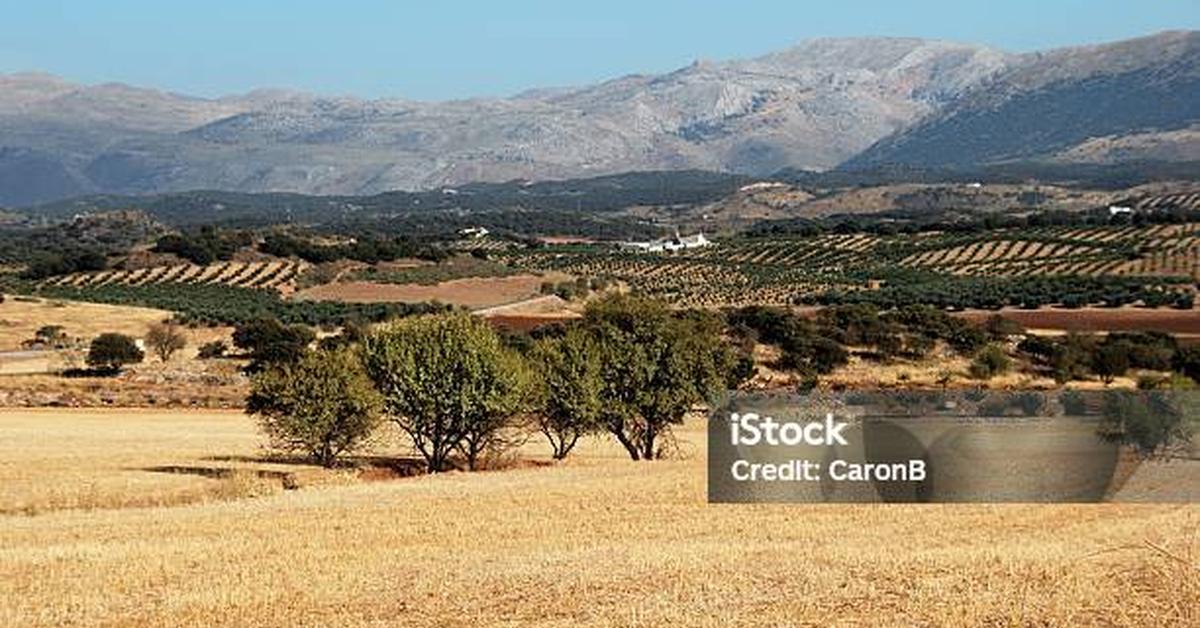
{"x": 1135, "y": 99}
{"x": 813, "y": 106}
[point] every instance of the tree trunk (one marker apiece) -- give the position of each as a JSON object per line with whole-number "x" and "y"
{"x": 628, "y": 444}
{"x": 648, "y": 442}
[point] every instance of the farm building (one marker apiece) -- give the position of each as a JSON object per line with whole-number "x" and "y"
{"x": 661, "y": 245}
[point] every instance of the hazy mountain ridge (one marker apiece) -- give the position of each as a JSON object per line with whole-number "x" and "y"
{"x": 813, "y": 106}
{"x": 1054, "y": 104}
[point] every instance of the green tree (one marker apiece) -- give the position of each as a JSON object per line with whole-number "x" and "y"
{"x": 1149, "y": 421}
{"x": 110, "y": 352}
{"x": 322, "y": 404}
{"x": 1187, "y": 361}
{"x": 655, "y": 367}
{"x": 212, "y": 350}
{"x": 269, "y": 341}
{"x": 990, "y": 362}
{"x": 54, "y": 336}
{"x": 448, "y": 382}
{"x": 569, "y": 399}
{"x": 1110, "y": 361}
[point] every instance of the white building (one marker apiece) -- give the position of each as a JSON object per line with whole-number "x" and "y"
{"x": 662, "y": 245}
{"x": 473, "y": 232}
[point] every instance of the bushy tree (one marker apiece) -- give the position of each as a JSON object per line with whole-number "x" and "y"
{"x": 268, "y": 341}
{"x": 322, "y": 404}
{"x": 990, "y": 362}
{"x": 1187, "y": 361}
{"x": 569, "y": 391}
{"x": 164, "y": 339}
{"x": 110, "y": 352}
{"x": 1110, "y": 360}
{"x": 212, "y": 350}
{"x": 655, "y": 367}
{"x": 448, "y": 382}
{"x": 53, "y": 336}
{"x": 1149, "y": 421}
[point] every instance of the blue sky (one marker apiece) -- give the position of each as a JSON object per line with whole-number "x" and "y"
{"x": 456, "y": 48}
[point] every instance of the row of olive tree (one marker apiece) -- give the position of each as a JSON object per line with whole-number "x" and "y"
{"x": 631, "y": 368}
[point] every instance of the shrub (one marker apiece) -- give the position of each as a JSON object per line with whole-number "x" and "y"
{"x": 212, "y": 350}
{"x": 1111, "y": 360}
{"x": 990, "y": 362}
{"x": 1187, "y": 361}
{"x": 164, "y": 339}
{"x": 110, "y": 352}
{"x": 1151, "y": 422}
{"x": 322, "y": 405}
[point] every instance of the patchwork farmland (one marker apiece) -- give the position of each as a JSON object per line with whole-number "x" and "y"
{"x": 275, "y": 274}
{"x": 786, "y": 269}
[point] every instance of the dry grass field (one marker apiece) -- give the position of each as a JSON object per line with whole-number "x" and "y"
{"x": 474, "y": 293}
{"x": 21, "y": 317}
{"x": 598, "y": 540}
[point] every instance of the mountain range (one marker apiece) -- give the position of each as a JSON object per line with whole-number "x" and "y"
{"x": 823, "y": 104}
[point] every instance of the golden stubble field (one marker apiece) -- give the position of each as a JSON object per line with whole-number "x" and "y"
{"x": 599, "y": 540}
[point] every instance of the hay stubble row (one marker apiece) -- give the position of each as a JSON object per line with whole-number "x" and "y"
{"x": 599, "y": 540}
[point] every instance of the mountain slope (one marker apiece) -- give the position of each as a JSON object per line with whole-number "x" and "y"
{"x": 810, "y": 106}
{"x": 814, "y": 106}
{"x": 1074, "y": 104}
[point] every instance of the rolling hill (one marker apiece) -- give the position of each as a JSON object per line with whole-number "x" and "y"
{"x": 825, "y": 102}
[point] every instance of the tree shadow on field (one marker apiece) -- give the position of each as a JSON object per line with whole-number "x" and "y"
{"x": 286, "y": 479}
{"x": 368, "y": 467}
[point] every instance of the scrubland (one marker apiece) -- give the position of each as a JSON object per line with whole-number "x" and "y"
{"x": 597, "y": 540}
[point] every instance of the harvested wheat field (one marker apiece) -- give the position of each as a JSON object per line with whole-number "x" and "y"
{"x": 474, "y": 293}
{"x": 20, "y": 317}
{"x": 598, "y": 540}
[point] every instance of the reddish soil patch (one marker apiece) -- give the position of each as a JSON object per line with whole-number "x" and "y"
{"x": 566, "y": 240}
{"x": 1100, "y": 319}
{"x": 516, "y": 322}
{"x": 473, "y": 293}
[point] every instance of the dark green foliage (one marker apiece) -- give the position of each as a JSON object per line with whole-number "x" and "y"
{"x": 212, "y": 304}
{"x": 203, "y": 246}
{"x": 267, "y": 341}
{"x": 990, "y": 362}
{"x": 1149, "y": 421}
{"x": 1000, "y": 328}
{"x": 49, "y": 264}
{"x": 953, "y": 292}
{"x": 1187, "y": 361}
{"x": 1111, "y": 360}
{"x": 366, "y": 249}
{"x": 110, "y": 352}
{"x": 212, "y": 350}
{"x": 585, "y": 207}
{"x": 1146, "y": 349}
